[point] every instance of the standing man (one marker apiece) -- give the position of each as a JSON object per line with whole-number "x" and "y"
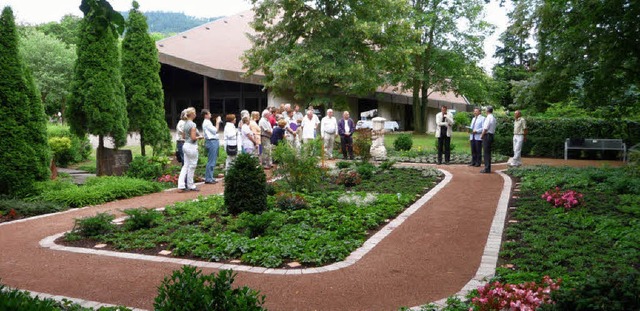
{"x": 265, "y": 138}
{"x": 488, "y": 130}
{"x": 444, "y": 122}
{"x": 309, "y": 126}
{"x": 296, "y": 112}
{"x": 328, "y": 132}
{"x": 475, "y": 131}
{"x": 519, "y": 137}
{"x": 345, "y": 130}
{"x": 211, "y": 144}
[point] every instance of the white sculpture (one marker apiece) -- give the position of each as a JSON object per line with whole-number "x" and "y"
{"x": 378, "y": 151}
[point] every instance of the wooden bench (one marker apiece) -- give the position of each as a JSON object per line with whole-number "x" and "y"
{"x": 595, "y": 144}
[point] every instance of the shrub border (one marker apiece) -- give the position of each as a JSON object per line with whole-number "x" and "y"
{"x": 355, "y": 256}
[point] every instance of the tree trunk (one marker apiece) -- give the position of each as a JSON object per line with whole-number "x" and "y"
{"x": 99, "y": 155}
{"x": 142, "y": 151}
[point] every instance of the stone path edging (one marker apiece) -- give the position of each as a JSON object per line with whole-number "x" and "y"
{"x": 489, "y": 260}
{"x": 355, "y": 256}
{"x": 81, "y": 302}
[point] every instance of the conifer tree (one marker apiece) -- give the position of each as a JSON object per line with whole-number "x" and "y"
{"x": 142, "y": 84}
{"x": 97, "y": 103}
{"x": 24, "y": 155}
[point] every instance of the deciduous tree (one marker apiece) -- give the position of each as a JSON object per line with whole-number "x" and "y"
{"x": 142, "y": 84}
{"x": 25, "y": 153}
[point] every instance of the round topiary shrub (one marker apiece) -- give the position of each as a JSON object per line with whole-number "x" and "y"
{"x": 245, "y": 186}
{"x": 403, "y": 142}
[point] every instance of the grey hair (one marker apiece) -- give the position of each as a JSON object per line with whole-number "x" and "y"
{"x": 265, "y": 113}
{"x": 329, "y": 110}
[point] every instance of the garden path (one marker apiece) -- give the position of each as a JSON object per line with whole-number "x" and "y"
{"x": 430, "y": 256}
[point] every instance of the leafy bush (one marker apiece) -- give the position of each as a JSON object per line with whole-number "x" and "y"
{"x": 299, "y": 171}
{"x": 67, "y": 147}
{"x": 94, "y": 226}
{"x": 245, "y": 186}
{"x": 365, "y": 170}
{"x": 388, "y": 164}
{"x": 141, "y": 218}
{"x": 348, "y": 178}
{"x": 256, "y": 225}
{"x": 22, "y": 301}
{"x": 462, "y": 120}
{"x": 362, "y": 144}
{"x": 290, "y": 201}
{"x": 98, "y": 190}
{"x": 147, "y": 168}
{"x": 189, "y": 290}
{"x": 403, "y": 142}
{"x": 343, "y": 164}
{"x": 29, "y": 208}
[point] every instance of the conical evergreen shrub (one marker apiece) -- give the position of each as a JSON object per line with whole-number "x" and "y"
{"x": 24, "y": 150}
{"x": 142, "y": 84}
{"x": 245, "y": 186}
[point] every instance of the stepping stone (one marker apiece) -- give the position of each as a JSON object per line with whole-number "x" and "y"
{"x": 508, "y": 266}
{"x": 515, "y": 197}
{"x": 220, "y": 176}
{"x": 513, "y": 208}
{"x": 294, "y": 264}
{"x": 100, "y": 246}
{"x": 513, "y": 221}
{"x": 164, "y": 253}
{"x": 235, "y": 261}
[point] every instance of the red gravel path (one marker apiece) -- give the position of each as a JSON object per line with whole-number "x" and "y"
{"x": 430, "y": 256}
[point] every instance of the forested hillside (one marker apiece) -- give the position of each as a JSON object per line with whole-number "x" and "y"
{"x": 171, "y": 22}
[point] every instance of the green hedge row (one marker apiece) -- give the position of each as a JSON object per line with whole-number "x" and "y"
{"x": 547, "y": 136}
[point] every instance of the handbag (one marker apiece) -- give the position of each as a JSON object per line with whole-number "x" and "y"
{"x": 232, "y": 150}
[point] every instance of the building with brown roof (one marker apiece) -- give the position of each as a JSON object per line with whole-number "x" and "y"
{"x": 202, "y": 68}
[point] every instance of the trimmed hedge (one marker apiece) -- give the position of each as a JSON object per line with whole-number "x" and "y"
{"x": 546, "y": 136}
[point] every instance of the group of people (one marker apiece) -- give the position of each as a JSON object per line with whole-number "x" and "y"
{"x": 255, "y": 134}
{"x": 481, "y": 136}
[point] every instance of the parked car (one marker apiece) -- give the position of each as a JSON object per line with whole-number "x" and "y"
{"x": 389, "y": 126}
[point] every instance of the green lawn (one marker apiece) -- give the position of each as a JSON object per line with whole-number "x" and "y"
{"x": 428, "y": 142}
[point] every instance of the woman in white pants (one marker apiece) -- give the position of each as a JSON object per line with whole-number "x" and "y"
{"x": 190, "y": 150}
{"x": 231, "y": 140}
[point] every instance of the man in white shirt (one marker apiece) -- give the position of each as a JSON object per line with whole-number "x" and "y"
{"x": 297, "y": 115}
{"x": 475, "y": 130}
{"x": 211, "y": 144}
{"x": 329, "y": 132}
{"x": 309, "y": 126}
{"x": 265, "y": 138}
{"x": 519, "y": 137}
{"x": 444, "y": 129}
{"x": 488, "y": 130}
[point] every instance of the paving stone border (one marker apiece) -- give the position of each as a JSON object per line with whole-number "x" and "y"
{"x": 355, "y": 256}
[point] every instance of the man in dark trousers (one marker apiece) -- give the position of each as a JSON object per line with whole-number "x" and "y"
{"x": 475, "y": 130}
{"x": 444, "y": 129}
{"x": 488, "y": 130}
{"x": 346, "y": 127}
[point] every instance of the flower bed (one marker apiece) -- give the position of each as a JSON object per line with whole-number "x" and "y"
{"x": 313, "y": 229}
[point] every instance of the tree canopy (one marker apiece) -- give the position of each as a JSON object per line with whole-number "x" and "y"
{"x": 143, "y": 88}
{"x": 25, "y": 152}
{"x": 327, "y": 49}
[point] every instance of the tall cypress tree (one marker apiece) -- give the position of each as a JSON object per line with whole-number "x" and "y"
{"x": 97, "y": 104}
{"x": 142, "y": 84}
{"x": 24, "y": 155}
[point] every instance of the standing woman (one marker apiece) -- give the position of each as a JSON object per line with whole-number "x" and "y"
{"x": 248, "y": 139}
{"x": 211, "y": 144}
{"x": 180, "y": 136}
{"x": 190, "y": 150}
{"x": 230, "y": 140}
{"x": 255, "y": 128}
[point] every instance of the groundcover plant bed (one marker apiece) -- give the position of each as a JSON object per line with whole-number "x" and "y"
{"x": 11, "y": 299}
{"x": 313, "y": 229}
{"x": 581, "y": 225}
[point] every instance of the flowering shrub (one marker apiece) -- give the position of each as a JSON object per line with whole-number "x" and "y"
{"x": 288, "y": 201}
{"x": 567, "y": 199}
{"x": 348, "y": 178}
{"x": 525, "y": 297}
{"x": 168, "y": 178}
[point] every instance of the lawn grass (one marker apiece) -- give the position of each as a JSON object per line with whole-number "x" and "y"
{"x": 427, "y": 142}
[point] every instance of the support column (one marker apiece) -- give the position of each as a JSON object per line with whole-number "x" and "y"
{"x": 205, "y": 88}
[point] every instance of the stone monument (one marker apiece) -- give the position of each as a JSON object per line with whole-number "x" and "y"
{"x": 378, "y": 151}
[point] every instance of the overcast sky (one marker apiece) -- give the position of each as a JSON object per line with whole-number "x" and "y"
{"x": 41, "y": 11}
